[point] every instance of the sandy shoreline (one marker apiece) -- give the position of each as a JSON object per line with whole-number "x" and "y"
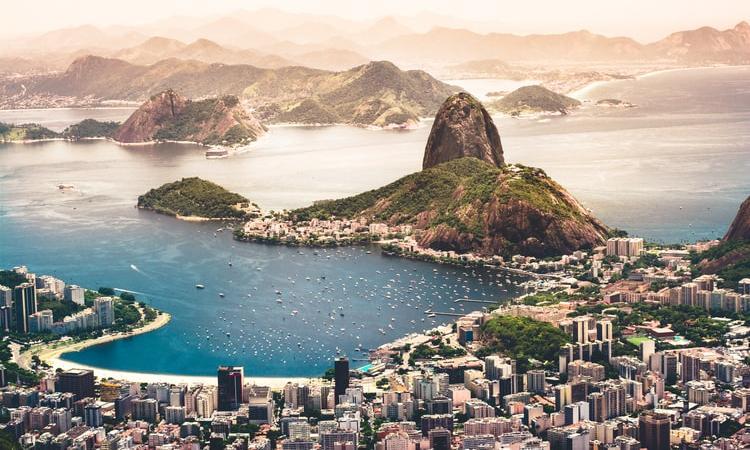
{"x": 580, "y": 93}
{"x": 52, "y": 354}
{"x": 141, "y": 377}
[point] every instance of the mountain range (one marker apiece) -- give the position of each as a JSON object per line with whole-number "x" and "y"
{"x": 272, "y": 38}
{"x": 377, "y": 93}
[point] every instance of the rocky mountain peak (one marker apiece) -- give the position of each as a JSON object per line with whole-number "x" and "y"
{"x": 160, "y": 109}
{"x": 463, "y": 127}
{"x": 739, "y": 230}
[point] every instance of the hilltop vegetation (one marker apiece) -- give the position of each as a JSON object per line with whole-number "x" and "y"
{"x": 522, "y": 338}
{"x": 532, "y": 99}
{"x": 90, "y": 128}
{"x": 469, "y": 205}
{"x": 730, "y": 260}
{"x": 87, "y": 128}
{"x": 194, "y": 197}
{"x": 25, "y": 132}
{"x": 377, "y": 93}
{"x": 169, "y": 116}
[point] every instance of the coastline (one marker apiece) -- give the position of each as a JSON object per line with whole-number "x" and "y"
{"x": 51, "y": 353}
{"x": 582, "y": 92}
{"x": 144, "y": 377}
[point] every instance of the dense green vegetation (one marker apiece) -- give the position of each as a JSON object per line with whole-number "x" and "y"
{"x": 534, "y": 99}
{"x": 90, "y": 128}
{"x": 458, "y": 195}
{"x": 12, "y": 371}
{"x": 87, "y": 128}
{"x": 59, "y": 309}
{"x": 693, "y": 323}
{"x": 6, "y": 441}
{"x": 24, "y": 132}
{"x": 730, "y": 260}
{"x": 192, "y": 119}
{"x": 10, "y": 279}
{"x": 377, "y": 93}
{"x": 435, "y": 348}
{"x": 309, "y": 111}
{"x": 434, "y": 188}
{"x": 126, "y": 315}
{"x": 551, "y": 298}
{"x": 193, "y": 197}
{"x": 522, "y": 338}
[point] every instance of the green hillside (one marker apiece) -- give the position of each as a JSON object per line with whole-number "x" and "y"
{"x": 467, "y": 204}
{"x": 194, "y": 197}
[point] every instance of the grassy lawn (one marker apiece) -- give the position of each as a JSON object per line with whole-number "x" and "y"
{"x": 636, "y": 340}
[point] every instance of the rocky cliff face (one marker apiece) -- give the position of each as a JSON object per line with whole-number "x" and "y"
{"x": 468, "y": 205}
{"x": 463, "y": 127}
{"x": 170, "y": 116}
{"x": 150, "y": 117}
{"x": 467, "y": 200}
{"x": 739, "y": 230}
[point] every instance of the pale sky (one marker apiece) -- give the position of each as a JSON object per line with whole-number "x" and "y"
{"x": 645, "y": 20}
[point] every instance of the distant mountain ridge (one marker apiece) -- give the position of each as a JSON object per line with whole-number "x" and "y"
{"x": 705, "y": 44}
{"x": 272, "y": 38}
{"x": 377, "y": 93}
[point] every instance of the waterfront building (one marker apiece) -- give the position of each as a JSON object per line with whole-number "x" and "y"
{"x": 628, "y": 247}
{"x": 105, "y": 311}
{"x": 6, "y": 296}
{"x": 74, "y": 294}
{"x": 341, "y": 377}
{"x": 230, "y": 383}
{"x": 6, "y": 318}
{"x": 76, "y": 381}
{"x": 24, "y": 304}
{"x": 41, "y": 321}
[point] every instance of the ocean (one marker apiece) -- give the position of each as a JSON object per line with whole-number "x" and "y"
{"x": 672, "y": 169}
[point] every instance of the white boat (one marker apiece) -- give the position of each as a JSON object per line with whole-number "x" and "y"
{"x": 200, "y": 286}
{"x": 217, "y": 153}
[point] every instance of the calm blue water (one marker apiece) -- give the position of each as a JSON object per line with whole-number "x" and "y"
{"x": 673, "y": 169}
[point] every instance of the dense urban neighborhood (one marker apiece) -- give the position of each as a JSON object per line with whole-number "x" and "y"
{"x": 623, "y": 347}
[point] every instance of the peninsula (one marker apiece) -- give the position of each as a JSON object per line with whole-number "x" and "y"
{"x": 465, "y": 200}
{"x": 197, "y": 199}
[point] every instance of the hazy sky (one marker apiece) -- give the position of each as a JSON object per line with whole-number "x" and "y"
{"x": 642, "y": 19}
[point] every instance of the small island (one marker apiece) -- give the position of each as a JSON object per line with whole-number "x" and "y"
{"x": 533, "y": 100}
{"x": 615, "y": 102}
{"x": 34, "y": 132}
{"x": 197, "y": 199}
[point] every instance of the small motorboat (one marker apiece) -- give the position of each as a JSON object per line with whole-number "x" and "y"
{"x": 200, "y": 286}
